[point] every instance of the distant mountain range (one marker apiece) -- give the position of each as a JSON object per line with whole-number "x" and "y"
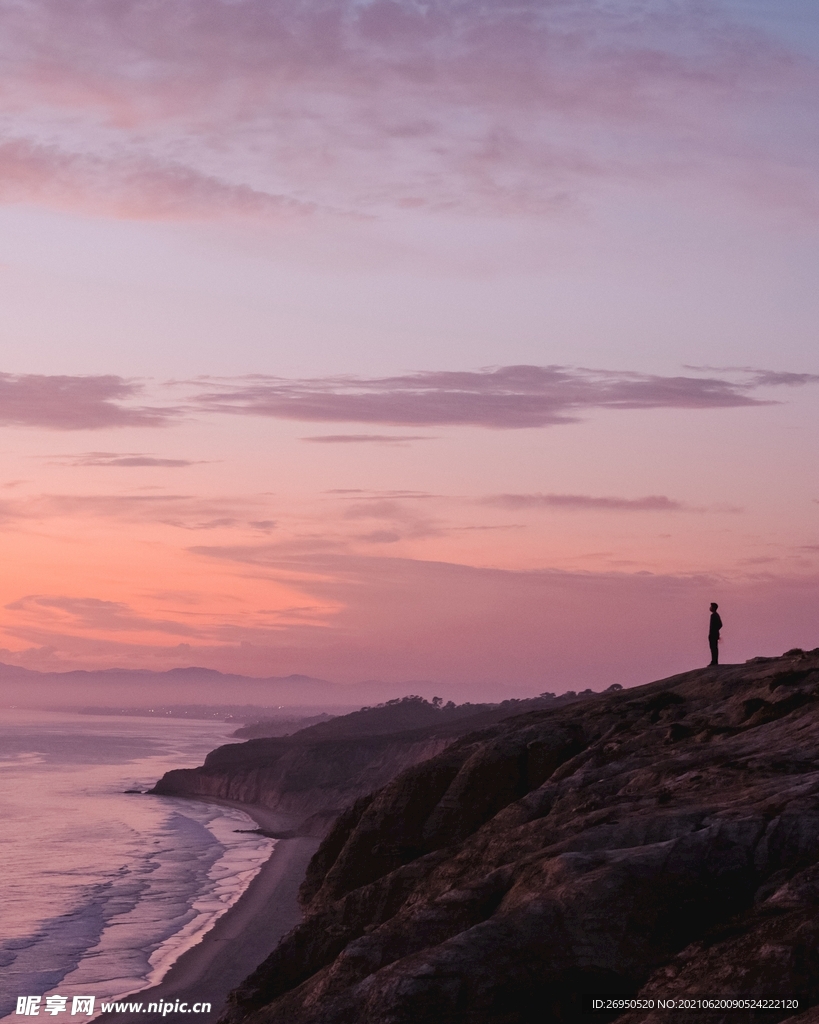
{"x": 128, "y": 688}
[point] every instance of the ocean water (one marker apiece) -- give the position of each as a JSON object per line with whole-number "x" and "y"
{"x": 101, "y": 891}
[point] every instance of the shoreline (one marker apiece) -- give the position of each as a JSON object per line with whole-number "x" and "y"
{"x": 244, "y": 935}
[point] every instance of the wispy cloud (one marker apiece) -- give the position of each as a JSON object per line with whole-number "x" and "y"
{"x": 395, "y": 103}
{"x": 128, "y": 460}
{"x": 182, "y": 511}
{"x": 587, "y": 502}
{"x": 366, "y": 438}
{"x": 128, "y": 186}
{"x": 760, "y": 378}
{"x": 502, "y": 397}
{"x": 89, "y": 613}
{"x": 379, "y": 537}
{"x": 76, "y": 403}
{"x": 399, "y": 521}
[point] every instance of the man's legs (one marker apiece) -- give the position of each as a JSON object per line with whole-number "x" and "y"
{"x": 713, "y": 643}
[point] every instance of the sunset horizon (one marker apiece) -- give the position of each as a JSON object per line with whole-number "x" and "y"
{"x": 408, "y": 341}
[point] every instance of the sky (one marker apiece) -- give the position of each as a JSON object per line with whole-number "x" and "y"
{"x": 460, "y": 342}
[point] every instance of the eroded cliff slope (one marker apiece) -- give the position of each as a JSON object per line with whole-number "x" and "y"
{"x": 314, "y": 774}
{"x": 663, "y": 840}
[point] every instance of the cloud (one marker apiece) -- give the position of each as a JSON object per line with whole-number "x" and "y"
{"x": 366, "y": 438}
{"x": 496, "y": 397}
{"x": 379, "y": 537}
{"x": 441, "y": 105}
{"x": 402, "y": 522}
{"x": 376, "y": 509}
{"x": 774, "y": 378}
{"x": 75, "y": 403}
{"x": 90, "y": 613}
{"x": 131, "y": 187}
{"x": 131, "y": 459}
{"x": 390, "y": 495}
{"x": 586, "y": 502}
{"x": 501, "y": 398}
{"x": 181, "y": 511}
{"x": 761, "y": 378}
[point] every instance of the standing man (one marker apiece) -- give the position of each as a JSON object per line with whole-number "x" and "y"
{"x": 714, "y": 627}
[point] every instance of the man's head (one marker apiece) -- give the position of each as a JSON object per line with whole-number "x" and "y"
{"x": 714, "y": 606}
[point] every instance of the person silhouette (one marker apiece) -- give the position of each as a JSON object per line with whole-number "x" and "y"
{"x": 714, "y": 626}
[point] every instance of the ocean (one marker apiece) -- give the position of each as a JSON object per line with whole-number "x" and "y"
{"x": 100, "y": 890}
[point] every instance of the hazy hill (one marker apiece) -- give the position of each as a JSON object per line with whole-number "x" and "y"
{"x": 121, "y": 688}
{"x": 137, "y": 687}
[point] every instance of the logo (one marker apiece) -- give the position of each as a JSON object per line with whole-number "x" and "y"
{"x": 29, "y": 1006}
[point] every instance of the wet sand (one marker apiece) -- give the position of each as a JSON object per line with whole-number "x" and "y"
{"x": 243, "y": 937}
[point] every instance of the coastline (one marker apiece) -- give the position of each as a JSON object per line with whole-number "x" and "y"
{"x": 243, "y": 936}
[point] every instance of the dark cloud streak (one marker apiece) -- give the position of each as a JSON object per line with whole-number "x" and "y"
{"x": 366, "y": 438}
{"x": 587, "y": 502}
{"x": 128, "y": 460}
{"x": 75, "y": 403}
{"x": 505, "y": 397}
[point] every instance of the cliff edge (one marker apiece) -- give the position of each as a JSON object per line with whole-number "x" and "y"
{"x": 662, "y": 840}
{"x": 313, "y": 774}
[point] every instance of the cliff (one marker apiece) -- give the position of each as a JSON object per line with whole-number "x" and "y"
{"x": 311, "y": 782}
{"x": 315, "y": 773}
{"x": 662, "y": 840}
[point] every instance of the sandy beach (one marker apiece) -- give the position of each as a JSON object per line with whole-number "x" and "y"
{"x": 244, "y": 936}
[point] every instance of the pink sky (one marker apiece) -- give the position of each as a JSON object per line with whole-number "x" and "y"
{"x": 451, "y": 341}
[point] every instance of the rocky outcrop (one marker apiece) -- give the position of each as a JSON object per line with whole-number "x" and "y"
{"x": 663, "y": 841}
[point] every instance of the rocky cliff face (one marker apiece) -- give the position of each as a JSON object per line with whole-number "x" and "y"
{"x": 661, "y": 841}
{"x": 315, "y": 773}
{"x": 312, "y": 781}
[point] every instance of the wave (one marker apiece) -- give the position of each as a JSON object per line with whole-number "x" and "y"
{"x": 123, "y": 933}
